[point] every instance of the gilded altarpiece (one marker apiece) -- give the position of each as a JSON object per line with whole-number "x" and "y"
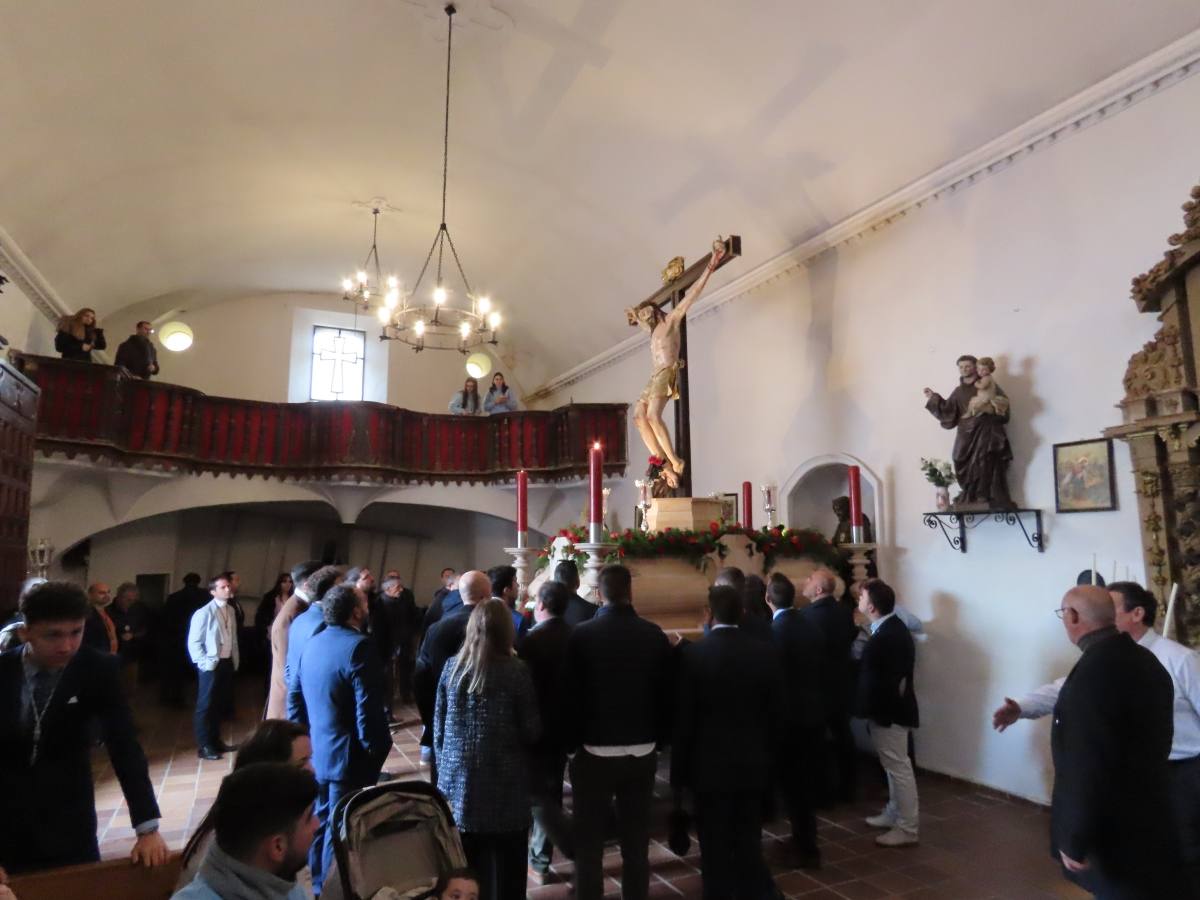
{"x": 1161, "y": 423}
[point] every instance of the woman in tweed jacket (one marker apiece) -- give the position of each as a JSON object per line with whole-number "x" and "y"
{"x": 485, "y": 718}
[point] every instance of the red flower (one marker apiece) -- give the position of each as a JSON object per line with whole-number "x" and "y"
{"x": 657, "y": 461}
{"x": 714, "y": 527}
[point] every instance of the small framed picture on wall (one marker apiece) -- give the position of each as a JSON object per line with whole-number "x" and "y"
{"x": 1084, "y": 480}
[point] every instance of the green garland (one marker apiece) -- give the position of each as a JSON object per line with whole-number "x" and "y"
{"x": 695, "y": 546}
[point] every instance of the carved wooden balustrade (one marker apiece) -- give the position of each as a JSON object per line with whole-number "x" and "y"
{"x": 104, "y": 413}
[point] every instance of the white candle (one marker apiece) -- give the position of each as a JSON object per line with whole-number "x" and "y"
{"x": 1170, "y": 619}
{"x": 1114, "y": 578}
{"x": 1093, "y": 568}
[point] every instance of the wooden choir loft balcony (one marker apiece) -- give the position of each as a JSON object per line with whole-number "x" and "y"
{"x": 105, "y": 414}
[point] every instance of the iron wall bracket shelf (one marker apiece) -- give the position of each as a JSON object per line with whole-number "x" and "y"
{"x": 954, "y": 524}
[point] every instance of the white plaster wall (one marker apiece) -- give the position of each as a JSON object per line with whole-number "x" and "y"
{"x": 1031, "y": 266}
{"x": 26, "y": 328}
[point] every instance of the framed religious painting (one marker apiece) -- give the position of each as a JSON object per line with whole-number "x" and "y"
{"x": 1084, "y": 479}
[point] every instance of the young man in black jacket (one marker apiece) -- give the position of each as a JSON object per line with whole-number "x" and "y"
{"x": 802, "y": 656}
{"x": 52, "y": 692}
{"x": 726, "y": 736}
{"x": 544, "y": 651}
{"x": 887, "y": 700}
{"x": 620, "y": 685}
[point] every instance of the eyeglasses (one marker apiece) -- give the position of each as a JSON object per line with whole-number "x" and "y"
{"x": 1062, "y": 611}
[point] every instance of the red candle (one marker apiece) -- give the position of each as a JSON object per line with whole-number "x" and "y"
{"x": 595, "y": 476}
{"x": 855, "y": 497}
{"x": 747, "y": 508}
{"x": 522, "y": 502}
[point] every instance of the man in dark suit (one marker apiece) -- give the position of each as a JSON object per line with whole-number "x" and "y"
{"x": 802, "y": 656}
{"x": 337, "y": 693}
{"x": 836, "y": 624}
{"x": 51, "y": 691}
{"x": 446, "y": 599}
{"x": 545, "y": 653}
{"x": 750, "y": 624}
{"x": 1110, "y": 819}
{"x": 579, "y": 610}
{"x": 99, "y": 632}
{"x": 176, "y": 664}
{"x": 620, "y": 681}
{"x": 887, "y": 699}
{"x": 725, "y": 743}
{"x": 441, "y": 642}
{"x": 404, "y": 621}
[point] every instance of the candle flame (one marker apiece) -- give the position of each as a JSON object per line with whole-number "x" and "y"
{"x": 596, "y": 446}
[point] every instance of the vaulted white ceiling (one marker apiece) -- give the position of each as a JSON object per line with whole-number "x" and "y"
{"x": 167, "y": 154}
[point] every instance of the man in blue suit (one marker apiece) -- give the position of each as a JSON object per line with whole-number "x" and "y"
{"x": 338, "y": 694}
{"x": 51, "y": 692}
{"x": 309, "y": 622}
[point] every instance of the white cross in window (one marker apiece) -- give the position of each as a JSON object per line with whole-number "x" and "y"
{"x": 339, "y": 356}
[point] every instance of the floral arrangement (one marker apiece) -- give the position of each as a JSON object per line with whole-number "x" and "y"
{"x": 938, "y": 472}
{"x": 695, "y": 546}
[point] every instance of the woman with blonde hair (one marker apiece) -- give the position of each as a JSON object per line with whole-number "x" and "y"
{"x": 485, "y": 718}
{"x": 78, "y": 336}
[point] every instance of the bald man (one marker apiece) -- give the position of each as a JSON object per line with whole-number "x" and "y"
{"x": 1110, "y": 822}
{"x": 836, "y": 624}
{"x": 441, "y": 642}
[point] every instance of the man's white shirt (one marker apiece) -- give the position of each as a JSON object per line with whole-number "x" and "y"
{"x": 1182, "y": 664}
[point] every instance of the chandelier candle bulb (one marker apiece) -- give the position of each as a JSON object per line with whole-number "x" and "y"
{"x": 856, "y": 521}
{"x": 747, "y": 505}
{"x": 595, "y": 494}
{"x": 522, "y": 507}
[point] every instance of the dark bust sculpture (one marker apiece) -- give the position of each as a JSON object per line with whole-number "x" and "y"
{"x": 841, "y": 535}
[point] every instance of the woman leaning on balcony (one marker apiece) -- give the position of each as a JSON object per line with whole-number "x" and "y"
{"x": 466, "y": 402}
{"x": 78, "y": 336}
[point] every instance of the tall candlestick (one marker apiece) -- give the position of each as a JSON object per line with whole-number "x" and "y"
{"x": 596, "y": 495}
{"x": 856, "y": 520}
{"x": 522, "y": 507}
{"x": 747, "y": 505}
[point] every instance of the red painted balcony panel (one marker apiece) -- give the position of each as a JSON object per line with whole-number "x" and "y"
{"x": 102, "y": 411}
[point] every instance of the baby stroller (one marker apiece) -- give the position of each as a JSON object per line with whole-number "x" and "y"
{"x": 391, "y": 841}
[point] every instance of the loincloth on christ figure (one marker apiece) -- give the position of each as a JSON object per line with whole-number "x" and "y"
{"x": 664, "y": 383}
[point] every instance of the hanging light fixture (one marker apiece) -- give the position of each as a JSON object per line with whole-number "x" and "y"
{"x": 434, "y": 321}
{"x": 368, "y": 282}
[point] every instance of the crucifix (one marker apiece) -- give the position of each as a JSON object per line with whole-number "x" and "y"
{"x": 339, "y": 356}
{"x": 669, "y": 468}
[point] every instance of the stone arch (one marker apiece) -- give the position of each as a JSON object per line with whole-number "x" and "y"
{"x": 805, "y": 495}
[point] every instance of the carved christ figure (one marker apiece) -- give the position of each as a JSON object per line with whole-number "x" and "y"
{"x": 664, "y": 354}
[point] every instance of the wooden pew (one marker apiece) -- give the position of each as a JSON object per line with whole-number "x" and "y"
{"x": 116, "y": 879}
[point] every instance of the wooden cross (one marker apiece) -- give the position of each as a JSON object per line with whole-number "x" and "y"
{"x": 670, "y": 295}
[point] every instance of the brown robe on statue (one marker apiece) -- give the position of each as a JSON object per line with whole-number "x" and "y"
{"x": 981, "y": 450}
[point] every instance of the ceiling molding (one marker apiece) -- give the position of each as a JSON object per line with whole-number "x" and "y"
{"x": 25, "y": 275}
{"x": 1103, "y": 100}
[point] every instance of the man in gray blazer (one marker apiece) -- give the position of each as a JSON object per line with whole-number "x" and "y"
{"x": 213, "y": 647}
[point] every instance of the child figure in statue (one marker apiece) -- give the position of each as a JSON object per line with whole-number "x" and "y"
{"x": 986, "y": 399}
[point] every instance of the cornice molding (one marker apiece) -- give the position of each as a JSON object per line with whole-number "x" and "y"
{"x": 1100, "y": 102}
{"x": 25, "y": 275}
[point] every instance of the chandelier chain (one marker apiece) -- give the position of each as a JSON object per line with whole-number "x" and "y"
{"x": 446, "y": 121}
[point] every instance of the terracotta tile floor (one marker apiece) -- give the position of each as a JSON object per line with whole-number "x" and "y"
{"x": 975, "y": 843}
